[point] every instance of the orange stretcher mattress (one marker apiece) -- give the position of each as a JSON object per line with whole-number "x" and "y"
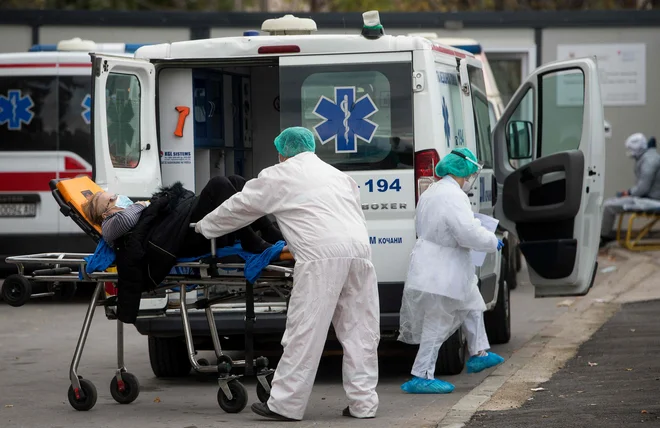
{"x": 77, "y": 191}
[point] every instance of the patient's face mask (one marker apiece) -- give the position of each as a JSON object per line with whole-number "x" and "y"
{"x": 123, "y": 201}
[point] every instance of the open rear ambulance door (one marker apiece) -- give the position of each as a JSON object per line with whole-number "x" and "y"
{"x": 124, "y": 126}
{"x": 549, "y": 163}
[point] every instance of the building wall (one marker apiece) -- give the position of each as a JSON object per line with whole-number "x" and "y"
{"x": 625, "y": 120}
{"x": 53, "y": 34}
{"x": 15, "y": 38}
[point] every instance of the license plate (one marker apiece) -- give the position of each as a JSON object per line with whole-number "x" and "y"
{"x": 18, "y": 210}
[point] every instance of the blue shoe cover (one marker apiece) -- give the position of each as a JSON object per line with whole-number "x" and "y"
{"x": 476, "y": 364}
{"x": 427, "y": 386}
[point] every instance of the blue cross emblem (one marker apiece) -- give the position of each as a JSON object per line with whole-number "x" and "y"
{"x": 345, "y": 119}
{"x": 445, "y": 116}
{"x": 87, "y": 109}
{"x": 15, "y": 110}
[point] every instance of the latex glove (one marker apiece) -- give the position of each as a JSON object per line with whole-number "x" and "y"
{"x": 500, "y": 245}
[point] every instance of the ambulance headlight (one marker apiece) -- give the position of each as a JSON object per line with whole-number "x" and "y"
{"x": 372, "y": 28}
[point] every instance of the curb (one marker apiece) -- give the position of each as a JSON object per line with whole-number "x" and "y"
{"x": 509, "y": 386}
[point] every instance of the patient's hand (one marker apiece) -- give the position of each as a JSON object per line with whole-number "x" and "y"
{"x": 285, "y": 249}
{"x": 143, "y": 203}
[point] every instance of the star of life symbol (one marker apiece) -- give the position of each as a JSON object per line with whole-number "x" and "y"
{"x": 15, "y": 110}
{"x": 87, "y": 109}
{"x": 445, "y": 116}
{"x": 345, "y": 119}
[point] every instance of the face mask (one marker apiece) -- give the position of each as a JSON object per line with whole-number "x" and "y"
{"x": 123, "y": 201}
{"x": 467, "y": 185}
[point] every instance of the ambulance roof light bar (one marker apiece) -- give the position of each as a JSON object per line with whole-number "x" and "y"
{"x": 288, "y": 25}
{"x": 372, "y": 28}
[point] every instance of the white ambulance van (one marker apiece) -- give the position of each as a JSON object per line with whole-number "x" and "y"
{"x": 385, "y": 110}
{"x": 45, "y": 115}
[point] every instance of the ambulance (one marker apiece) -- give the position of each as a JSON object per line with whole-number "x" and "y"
{"x": 384, "y": 109}
{"x": 45, "y": 115}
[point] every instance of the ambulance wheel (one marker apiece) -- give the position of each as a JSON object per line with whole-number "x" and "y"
{"x": 64, "y": 291}
{"x": 16, "y": 290}
{"x": 262, "y": 395}
{"x": 498, "y": 320}
{"x": 88, "y": 398}
{"x": 127, "y": 391}
{"x": 451, "y": 358}
{"x": 239, "y": 397}
{"x": 168, "y": 357}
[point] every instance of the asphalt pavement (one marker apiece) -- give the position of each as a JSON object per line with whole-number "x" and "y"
{"x": 612, "y": 382}
{"x": 37, "y": 342}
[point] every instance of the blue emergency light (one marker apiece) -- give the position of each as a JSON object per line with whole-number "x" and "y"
{"x": 473, "y": 49}
{"x": 129, "y": 48}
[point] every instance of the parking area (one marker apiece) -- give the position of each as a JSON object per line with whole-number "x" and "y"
{"x": 37, "y": 343}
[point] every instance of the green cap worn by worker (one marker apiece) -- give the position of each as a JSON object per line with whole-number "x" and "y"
{"x": 295, "y": 140}
{"x": 460, "y": 163}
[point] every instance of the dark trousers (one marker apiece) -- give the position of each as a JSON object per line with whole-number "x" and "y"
{"x": 216, "y": 191}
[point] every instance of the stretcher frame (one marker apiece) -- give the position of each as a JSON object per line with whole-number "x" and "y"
{"x": 232, "y": 395}
{"x": 638, "y": 241}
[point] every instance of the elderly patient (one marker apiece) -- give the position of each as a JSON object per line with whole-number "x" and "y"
{"x": 118, "y": 215}
{"x": 148, "y": 237}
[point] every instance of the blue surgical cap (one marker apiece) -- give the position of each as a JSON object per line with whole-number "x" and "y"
{"x": 295, "y": 140}
{"x": 456, "y": 165}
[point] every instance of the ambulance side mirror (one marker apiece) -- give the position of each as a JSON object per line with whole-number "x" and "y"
{"x": 519, "y": 139}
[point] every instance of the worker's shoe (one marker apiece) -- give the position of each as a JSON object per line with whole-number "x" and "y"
{"x": 476, "y": 363}
{"x": 262, "y": 409}
{"x": 347, "y": 412}
{"x": 417, "y": 385}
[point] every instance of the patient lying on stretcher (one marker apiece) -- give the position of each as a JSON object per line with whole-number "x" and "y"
{"x": 117, "y": 215}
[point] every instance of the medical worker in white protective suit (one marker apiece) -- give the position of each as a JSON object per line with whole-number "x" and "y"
{"x": 318, "y": 210}
{"x": 441, "y": 292}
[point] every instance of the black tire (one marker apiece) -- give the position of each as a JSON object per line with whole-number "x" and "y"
{"x": 89, "y": 399}
{"x": 262, "y": 395}
{"x": 168, "y": 357}
{"x": 16, "y": 290}
{"x": 452, "y": 355}
{"x": 238, "y": 401}
{"x": 131, "y": 389}
{"x": 498, "y": 320}
{"x": 511, "y": 264}
{"x": 64, "y": 291}
{"x": 518, "y": 258}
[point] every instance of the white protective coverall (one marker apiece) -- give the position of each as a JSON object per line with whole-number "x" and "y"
{"x": 441, "y": 292}
{"x": 318, "y": 210}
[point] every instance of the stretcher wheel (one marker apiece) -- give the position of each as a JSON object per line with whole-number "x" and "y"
{"x": 127, "y": 391}
{"x": 262, "y": 395}
{"x": 88, "y": 401}
{"x": 239, "y": 397}
{"x": 16, "y": 290}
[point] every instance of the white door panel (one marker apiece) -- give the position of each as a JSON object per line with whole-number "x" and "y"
{"x": 549, "y": 165}
{"x": 124, "y": 123}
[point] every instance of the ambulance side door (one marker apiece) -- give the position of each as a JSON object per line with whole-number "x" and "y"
{"x": 126, "y": 151}
{"x": 477, "y": 138}
{"x": 549, "y": 163}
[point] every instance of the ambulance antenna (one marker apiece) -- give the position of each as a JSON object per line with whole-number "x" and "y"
{"x": 372, "y": 28}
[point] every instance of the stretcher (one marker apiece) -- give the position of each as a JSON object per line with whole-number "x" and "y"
{"x": 204, "y": 275}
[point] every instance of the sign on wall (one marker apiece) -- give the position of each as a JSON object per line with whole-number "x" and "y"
{"x": 622, "y": 72}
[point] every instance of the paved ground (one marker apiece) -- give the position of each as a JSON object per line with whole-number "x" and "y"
{"x": 613, "y": 381}
{"x": 36, "y": 345}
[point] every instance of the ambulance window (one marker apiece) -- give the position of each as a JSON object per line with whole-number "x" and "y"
{"x": 75, "y": 115}
{"x": 562, "y": 110}
{"x": 450, "y": 114}
{"x": 28, "y": 113}
{"x": 481, "y": 116}
{"x": 123, "y": 115}
{"x": 361, "y": 114}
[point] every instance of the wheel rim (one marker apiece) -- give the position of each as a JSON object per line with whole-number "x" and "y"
{"x": 14, "y": 292}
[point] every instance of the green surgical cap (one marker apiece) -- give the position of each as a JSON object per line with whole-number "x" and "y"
{"x": 295, "y": 140}
{"x": 456, "y": 165}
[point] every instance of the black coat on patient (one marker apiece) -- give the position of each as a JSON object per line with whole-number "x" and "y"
{"x": 146, "y": 255}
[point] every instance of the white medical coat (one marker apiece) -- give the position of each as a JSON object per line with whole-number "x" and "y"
{"x": 447, "y": 230}
{"x": 318, "y": 210}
